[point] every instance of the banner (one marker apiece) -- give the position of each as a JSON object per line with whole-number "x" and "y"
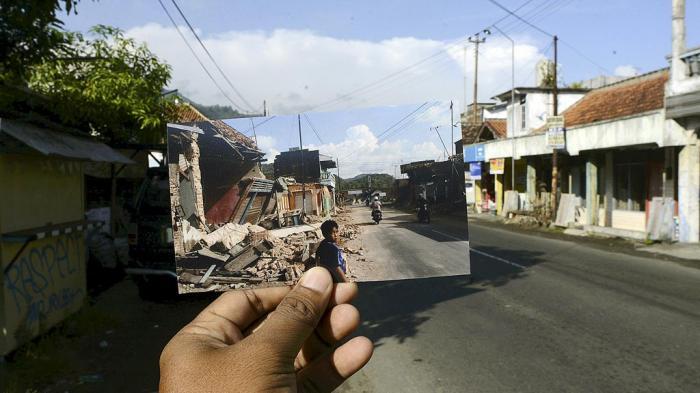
{"x": 496, "y": 166}
{"x": 475, "y": 170}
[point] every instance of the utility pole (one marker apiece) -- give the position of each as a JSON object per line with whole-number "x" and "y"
{"x": 452, "y": 127}
{"x": 555, "y": 169}
{"x": 476, "y": 41}
{"x": 264, "y": 108}
{"x": 512, "y": 103}
{"x": 465, "y": 78}
{"x": 301, "y": 153}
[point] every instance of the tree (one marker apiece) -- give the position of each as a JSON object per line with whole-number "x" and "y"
{"x": 108, "y": 85}
{"x": 29, "y": 33}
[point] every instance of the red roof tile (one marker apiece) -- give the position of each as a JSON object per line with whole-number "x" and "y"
{"x": 184, "y": 113}
{"x": 629, "y": 97}
{"x": 498, "y": 127}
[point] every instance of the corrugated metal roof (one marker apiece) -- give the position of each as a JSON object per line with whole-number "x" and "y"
{"x": 51, "y": 142}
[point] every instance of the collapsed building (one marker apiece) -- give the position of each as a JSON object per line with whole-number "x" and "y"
{"x": 232, "y": 227}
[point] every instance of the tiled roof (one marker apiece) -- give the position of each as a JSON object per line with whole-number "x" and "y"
{"x": 629, "y": 97}
{"x": 470, "y": 133}
{"x": 184, "y": 113}
{"x": 498, "y": 127}
{"x": 233, "y": 134}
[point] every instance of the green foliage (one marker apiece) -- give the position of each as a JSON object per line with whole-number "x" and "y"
{"x": 380, "y": 181}
{"x": 268, "y": 170}
{"x": 576, "y": 85}
{"x": 217, "y": 112}
{"x": 29, "y": 33}
{"x": 109, "y": 85}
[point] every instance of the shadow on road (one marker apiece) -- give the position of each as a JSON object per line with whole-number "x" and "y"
{"x": 395, "y": 309}
{"x": 390, "y": 309}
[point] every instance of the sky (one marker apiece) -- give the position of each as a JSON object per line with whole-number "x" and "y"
{"x": 361, "y": 140}
{"x": 342, "y": 56}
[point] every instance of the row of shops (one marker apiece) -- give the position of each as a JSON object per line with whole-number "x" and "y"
{"x": 627, "y": 168}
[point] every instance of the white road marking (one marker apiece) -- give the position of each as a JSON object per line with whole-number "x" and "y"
{"x": 481, "y": 252}
{"x": 496, "y": 258}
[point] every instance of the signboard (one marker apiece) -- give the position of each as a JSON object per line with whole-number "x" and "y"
{"x": 473, "y": 153}
{"x": 496, "y": 166}
{"x": 556, "y": 138}
{"x": 475, "y": 171}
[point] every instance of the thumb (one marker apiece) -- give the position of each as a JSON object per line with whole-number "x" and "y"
{"x": 298, "y": 314}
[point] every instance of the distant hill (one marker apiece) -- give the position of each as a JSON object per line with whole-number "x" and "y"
{"x": 380, "y": 181}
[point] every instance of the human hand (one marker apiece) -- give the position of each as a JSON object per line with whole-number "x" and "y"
{"x": 268, "y": 339}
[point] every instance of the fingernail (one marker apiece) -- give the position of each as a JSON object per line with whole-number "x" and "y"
{"x": 316, "y": 279}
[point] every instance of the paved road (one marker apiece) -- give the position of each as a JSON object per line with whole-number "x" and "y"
{"x": 399, "y": 247}
{"x": 542, "y": 315}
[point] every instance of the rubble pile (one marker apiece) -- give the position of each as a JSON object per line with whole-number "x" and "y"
{"x": 243, "y": 255}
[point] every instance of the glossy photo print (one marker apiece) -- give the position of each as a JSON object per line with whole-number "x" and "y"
{"x": 369, "y": 194}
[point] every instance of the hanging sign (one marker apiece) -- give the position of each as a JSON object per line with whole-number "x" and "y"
{"x": 496, "y": 166}
{"x": 556, "y": 138}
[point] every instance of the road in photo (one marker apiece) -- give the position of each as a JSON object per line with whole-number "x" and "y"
{"x": 401, "y": 247}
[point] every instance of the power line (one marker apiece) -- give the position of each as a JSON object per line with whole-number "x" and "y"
{"x": 584, "y": 56}
{"x": 308, "y": 121}
{"x": 521, "y": 19}
{"x": 551, "y": 35}
{"x": 259, "y": 124}
{"x": 212, "y": 58}
{"x": 197, "y": 57}
{"x": 402, "y": 119}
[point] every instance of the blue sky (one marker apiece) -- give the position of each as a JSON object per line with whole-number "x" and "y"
{"x": 307, "y": 56}
{"x": 364, "y": 140}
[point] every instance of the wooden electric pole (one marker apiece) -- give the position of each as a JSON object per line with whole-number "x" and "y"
{"x": 303, "y": 186}
{"x": 555, "y": 169}
{"x": 452, "y": 127}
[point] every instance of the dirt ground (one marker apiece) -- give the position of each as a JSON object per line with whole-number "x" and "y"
{"x": 113, "y": 344}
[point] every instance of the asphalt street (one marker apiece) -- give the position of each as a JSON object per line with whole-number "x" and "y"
{"x": 539, "y": 315}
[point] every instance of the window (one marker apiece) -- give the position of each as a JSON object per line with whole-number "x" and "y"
{"x": 523, "y": 117}
{"x": 629, "y": 186}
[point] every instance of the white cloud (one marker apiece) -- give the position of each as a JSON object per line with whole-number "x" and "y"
{"x": 626, "y": 70}
{"x": 360, "y": 151}
{"x": 295, "y": 70}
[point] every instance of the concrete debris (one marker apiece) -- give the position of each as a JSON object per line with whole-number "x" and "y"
{"x": 524, "y": 220}
{"x": 239, "y": 256}
{"x": 228, "y": 235}
{"x": 192, "y": 236}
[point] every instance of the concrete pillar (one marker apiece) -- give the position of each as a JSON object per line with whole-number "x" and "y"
{"x": 531, "y": 185}
{"x": 477, "y": 196}
{"x": 609, "y": 184}
{"x": 689, "y": 194}
{"x": 499, "y": 193}
{"x": 591, "y": 191}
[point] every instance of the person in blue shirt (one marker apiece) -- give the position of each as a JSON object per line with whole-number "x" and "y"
{"x": 329, "y": 255}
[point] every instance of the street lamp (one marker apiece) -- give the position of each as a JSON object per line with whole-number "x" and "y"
{"x": 512, "y": 101}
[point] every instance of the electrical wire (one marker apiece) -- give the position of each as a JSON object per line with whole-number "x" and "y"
{"x": 259, "y": 124}
{"x": 520, "y": 18}
{"x": 308, "y": 121}
{"x": 198, "y": 59}
{"x": 238, "y": 93}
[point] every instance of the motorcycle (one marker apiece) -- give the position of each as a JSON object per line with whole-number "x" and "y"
{"x": 376, "y": 215}
{"x": 423, "y": 213}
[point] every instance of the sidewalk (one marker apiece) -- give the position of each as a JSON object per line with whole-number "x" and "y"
{"x": 689, "y": 251}
{"x": 683, "y": 251}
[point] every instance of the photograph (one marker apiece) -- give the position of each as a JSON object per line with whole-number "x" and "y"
{"x": 246, "y": 212}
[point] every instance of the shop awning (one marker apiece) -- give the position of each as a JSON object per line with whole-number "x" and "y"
{"x": 51, "y": 142}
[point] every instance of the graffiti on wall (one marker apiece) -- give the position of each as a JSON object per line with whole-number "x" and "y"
{"x": 46, "y": 279}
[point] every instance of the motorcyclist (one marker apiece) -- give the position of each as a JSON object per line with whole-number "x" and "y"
{"x": 423, "y": 212}
{"x": 376, "y": 204}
